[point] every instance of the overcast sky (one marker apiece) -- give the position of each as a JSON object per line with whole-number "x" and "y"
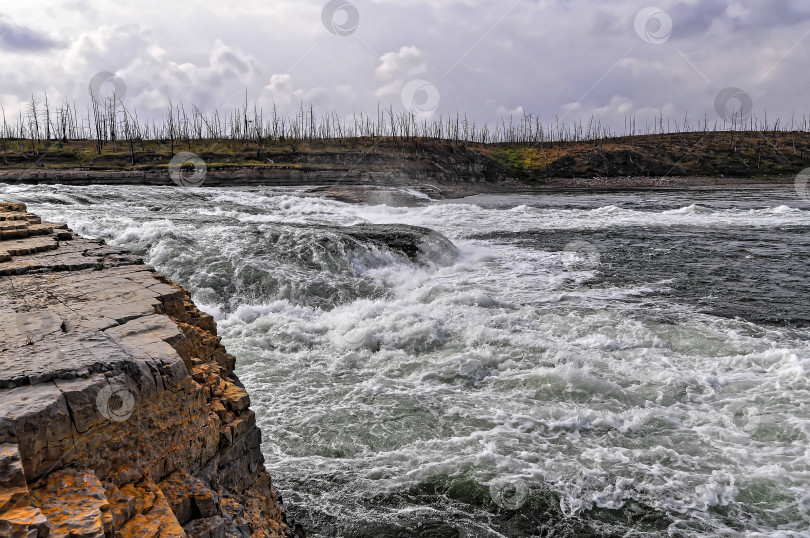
{"x": 567, "y": 59}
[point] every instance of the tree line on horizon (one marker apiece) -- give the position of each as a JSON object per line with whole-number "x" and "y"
{"x": 109, "y": 121}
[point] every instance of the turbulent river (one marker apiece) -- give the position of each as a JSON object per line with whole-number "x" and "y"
{"x": 623, "y": 364}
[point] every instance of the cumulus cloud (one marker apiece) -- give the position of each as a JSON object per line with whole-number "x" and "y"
{"x": 280, "y": 84}
{"x": 571, "y": 59}
{"x": 406, "y": 62}
{"x": 281, "y": 90}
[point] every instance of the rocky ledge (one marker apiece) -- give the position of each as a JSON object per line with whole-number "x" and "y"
{"x": 120, "y": 414}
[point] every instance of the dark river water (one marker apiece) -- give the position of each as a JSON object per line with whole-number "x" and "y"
{"x": 622, "y": 364}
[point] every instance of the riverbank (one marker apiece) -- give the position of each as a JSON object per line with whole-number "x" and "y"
{"x": 120, "y": 413}
{"x": 440, "y": 168}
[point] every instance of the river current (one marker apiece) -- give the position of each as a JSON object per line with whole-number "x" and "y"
{"x": 604, "y": 364}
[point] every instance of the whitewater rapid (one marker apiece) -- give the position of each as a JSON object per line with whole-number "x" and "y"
{"x": 580, "y": 357}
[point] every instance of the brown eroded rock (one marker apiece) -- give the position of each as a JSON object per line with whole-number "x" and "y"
{"x": 24, "y": 522}
{"x": 189, "y": 497}
{"x": 120, "y": 414}
{"x": 74, "y": 502}
{"x": 153, "y": 516}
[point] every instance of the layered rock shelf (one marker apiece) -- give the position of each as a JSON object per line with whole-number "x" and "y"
{"x": 120, "y": 414}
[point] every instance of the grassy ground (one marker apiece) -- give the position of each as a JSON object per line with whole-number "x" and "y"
{"x": 738, "y": 154}
{"x": 748, "y": 154}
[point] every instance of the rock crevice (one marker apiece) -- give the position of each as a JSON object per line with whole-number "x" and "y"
{"x": 120, "y": 413}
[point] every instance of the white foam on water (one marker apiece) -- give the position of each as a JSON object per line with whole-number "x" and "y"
{"x": 502, "y": 362}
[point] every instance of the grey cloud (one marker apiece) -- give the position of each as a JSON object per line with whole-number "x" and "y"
{"x": 694, "y": 20}
{"x": 233, "y": 61}
{"x": 18, "y": 38}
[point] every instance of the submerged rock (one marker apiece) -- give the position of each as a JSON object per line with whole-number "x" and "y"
{"x": 417, "y": 243}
